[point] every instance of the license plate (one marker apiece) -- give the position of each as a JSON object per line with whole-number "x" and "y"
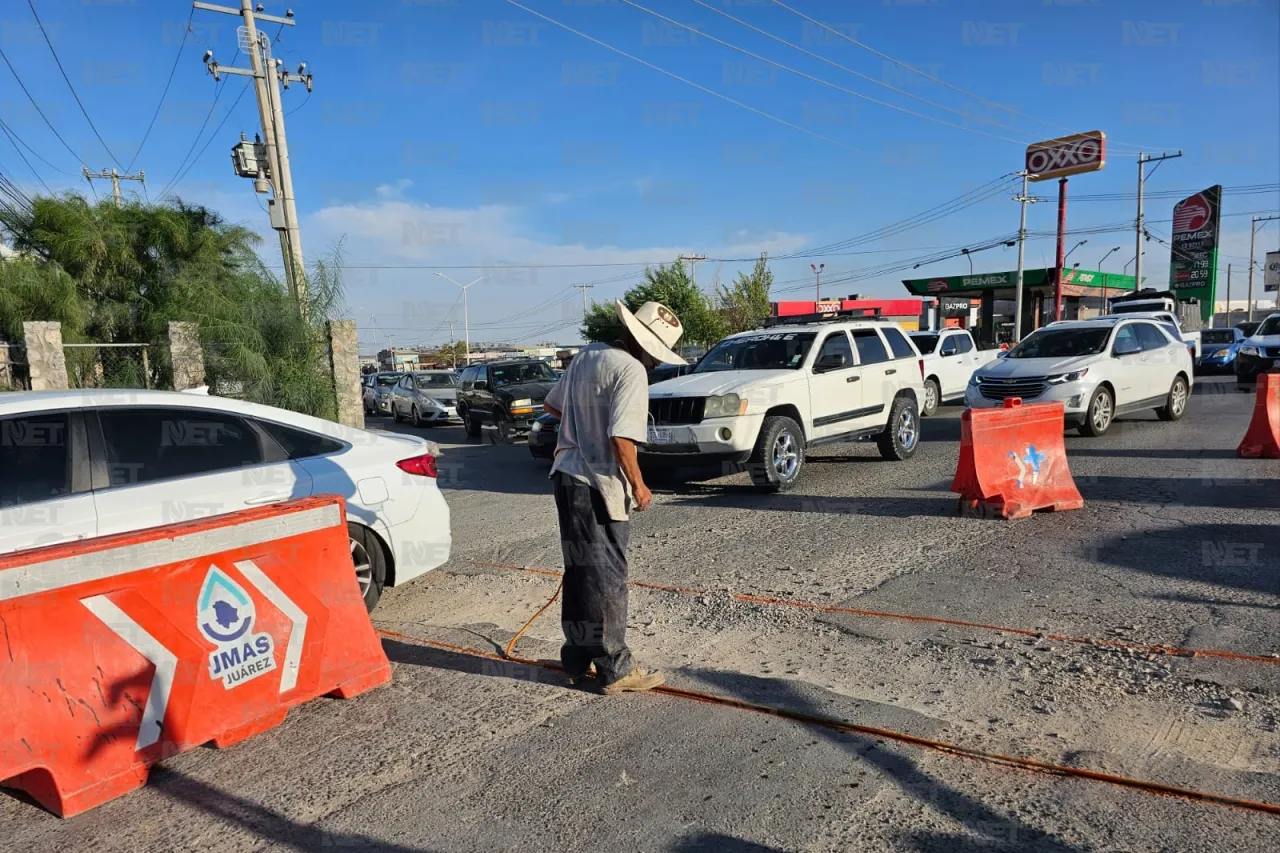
{"x": 661, "y": 435}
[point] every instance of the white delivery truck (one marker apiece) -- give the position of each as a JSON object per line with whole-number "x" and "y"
{"x": 1165, "y": 307}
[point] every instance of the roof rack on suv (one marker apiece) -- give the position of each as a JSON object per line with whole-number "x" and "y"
{"x": 825, "y": 317}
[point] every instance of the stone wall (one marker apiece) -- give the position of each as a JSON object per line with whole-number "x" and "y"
{"x": 46, "y": 363}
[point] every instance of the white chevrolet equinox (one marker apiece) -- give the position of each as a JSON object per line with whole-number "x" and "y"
{"x": 1097, "y": 369}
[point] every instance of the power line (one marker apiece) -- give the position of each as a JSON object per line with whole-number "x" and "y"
{"x": 213, "y": 136}
{"x": 35, "y": 104}
{"x": 83, "y": 111}
{"x": 33, "y": 151}
{"x": 933, "y": 78}
{"x": 688, "y": 82}
{"x": 819, "y": 80}
{"x": 9, "y": 135}
{"x": 164, "y": 94}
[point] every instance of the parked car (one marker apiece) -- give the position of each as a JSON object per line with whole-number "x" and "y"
{"x": 507, "y": 394}
{"x": 426, "y": 398}
{"x": 759, "y": 400}
{"x": 1218, "y": 349}
{"x": 545, "y": 429}
{"x": 377, "y": 392}
{"x": 1096, "y": 368}
{"x": 1259, "y": 353}
{"x": 950, "y": 358}
{"x": 79, "y": 464}
{"x": 1249, "y": 327}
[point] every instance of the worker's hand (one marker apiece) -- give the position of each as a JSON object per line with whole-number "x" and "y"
{"x": 644, "y": 497}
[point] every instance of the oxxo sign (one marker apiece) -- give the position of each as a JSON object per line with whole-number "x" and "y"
{"x": 1069, "y": 155}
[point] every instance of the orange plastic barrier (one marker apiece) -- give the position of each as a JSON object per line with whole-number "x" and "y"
{"x": 124, "y": 650}
{"x": 1262, "y": 439}
{"x": 1013, "y": 461}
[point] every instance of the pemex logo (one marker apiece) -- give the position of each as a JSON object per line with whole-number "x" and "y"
{"x": 1191, "y": 214}
{"x": 225, "y": 615}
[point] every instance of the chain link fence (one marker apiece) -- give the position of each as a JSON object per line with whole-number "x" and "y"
{"x": 13, "y": 369}
{"x": 109, "y": 365}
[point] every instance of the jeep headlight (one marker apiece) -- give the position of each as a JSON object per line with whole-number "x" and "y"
{"x": 521, "y": 404}
{"x": 724, "y": 406}
{"x": 1248, "y": 350}
{"x": 1064, "y": 378}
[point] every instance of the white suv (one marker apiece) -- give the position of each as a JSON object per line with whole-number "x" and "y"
{"x": 760, "y": 399}
{"x": 1096, "y": 368}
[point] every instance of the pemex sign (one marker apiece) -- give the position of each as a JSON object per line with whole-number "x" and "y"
{"x": 1193, "y": 262}
{"x": 1068, "y": 155}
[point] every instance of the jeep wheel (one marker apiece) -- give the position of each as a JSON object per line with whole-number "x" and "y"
{"x": 1100, "y": 414}
{"x": 778, "y": 455}
{"x": 1176, "y": 404}
{"x": 473, "y": 425}
{"x": 901, "y": 436}
{"x": 932, "y": 397}
{"x": 506, "y": 428}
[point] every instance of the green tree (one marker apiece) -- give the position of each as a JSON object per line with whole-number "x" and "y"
{"x": 669, "y": 284}
{"x": 745, "y": 303}
{"x": 119, "y": 275}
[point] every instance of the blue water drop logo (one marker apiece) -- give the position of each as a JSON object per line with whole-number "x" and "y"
{"x": 225, "y": 613}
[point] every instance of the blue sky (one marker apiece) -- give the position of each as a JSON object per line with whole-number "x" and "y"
{"x": 475, "y": 134}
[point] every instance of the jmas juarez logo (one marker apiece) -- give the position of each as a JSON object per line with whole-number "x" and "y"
{"x": 225, "y": 616}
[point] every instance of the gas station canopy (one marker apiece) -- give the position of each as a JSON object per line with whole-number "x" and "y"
{"x": 1075, "y": 282}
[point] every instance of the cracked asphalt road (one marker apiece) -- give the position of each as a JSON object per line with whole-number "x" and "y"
{"x": 1178, "y": 544}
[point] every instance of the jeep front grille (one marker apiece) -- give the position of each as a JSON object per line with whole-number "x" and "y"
{"x": 666, "y": 411}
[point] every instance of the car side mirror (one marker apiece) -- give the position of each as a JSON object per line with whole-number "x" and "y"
{"x": 950, "y": 352}
{"x": 480, "y": 385}
{"x": 1002, "y": 353}
{"x": 831, "y": 361}
{"x": 1125, "y": 348}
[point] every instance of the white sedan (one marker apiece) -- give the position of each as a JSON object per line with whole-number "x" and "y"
{"x": 79, "y": 464}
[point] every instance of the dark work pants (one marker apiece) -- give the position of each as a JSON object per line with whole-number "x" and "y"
{"x": 594, "y": 612}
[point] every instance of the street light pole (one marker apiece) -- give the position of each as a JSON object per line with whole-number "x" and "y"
{"x": 817, "y": 284}
{"x": 1104, "y": 277}
{"x": 466, "y": 317}
{"x": 1253, "y": 232}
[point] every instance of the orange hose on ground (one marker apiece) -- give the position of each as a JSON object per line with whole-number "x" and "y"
{"x": 907, "y": 617}
{"x": 1029, "y": 764}
{"x": 534, "y": 618}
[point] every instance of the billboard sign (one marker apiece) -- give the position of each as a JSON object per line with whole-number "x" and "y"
{"x": 1193, "y": 262}
{"x": 1068, "y": 155}
{"x": 1271, "y": 281}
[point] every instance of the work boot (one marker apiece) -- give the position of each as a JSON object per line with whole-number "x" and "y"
{"x": 637, "y": 681}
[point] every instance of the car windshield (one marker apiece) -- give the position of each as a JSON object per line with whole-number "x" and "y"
{"x": 1270, "y": 326}
{"x": 925, "y": 343}
{"x": 763, "y": 351}
{"x": 1062, "y": 343}
{"x": 387, "y": 379}
{"x": 512, "y": 374}
{"x": 1217, "y": 336}
{"x": 437, "y": 380}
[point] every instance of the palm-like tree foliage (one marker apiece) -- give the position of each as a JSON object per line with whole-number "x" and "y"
{"x": 120, "y": 275}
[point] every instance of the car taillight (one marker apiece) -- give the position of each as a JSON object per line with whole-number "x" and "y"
{"x": 422, "y": 466}
{"x": 922, "y": 368}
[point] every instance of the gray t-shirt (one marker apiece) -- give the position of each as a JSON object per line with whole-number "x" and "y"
{"x": 603, "y": 395}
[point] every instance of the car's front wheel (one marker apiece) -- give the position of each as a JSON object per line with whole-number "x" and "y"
{"x": 369, "y": 561}
{"x": 932, "y": 397}
{"x": 1100, "y": 414}
{"x": 778, "y": 455}
{"x": 1176, "y": 403}
{"x": 472, "y": 423}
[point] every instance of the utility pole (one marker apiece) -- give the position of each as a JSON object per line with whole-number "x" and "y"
{"x": 283, "y": 211}
{"x": 466, "y": 317}
{"x": 817, "y": 283}
{"x": 1253, "y": 232}
{"x": 693, "y": 266}
{"x": 453, "y": 353}
{"x": 114, "y": 177}
{"x": 584, "y": 288}
{"x": 1143, "y": 160}
{"x": 1228, "y": 315}
{"x": 1023, "y": 200}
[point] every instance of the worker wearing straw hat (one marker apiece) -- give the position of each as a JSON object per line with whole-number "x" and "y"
{"x": 603, "y": 405}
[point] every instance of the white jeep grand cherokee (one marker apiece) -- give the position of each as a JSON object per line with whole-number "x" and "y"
{"x": 758, "y": 400}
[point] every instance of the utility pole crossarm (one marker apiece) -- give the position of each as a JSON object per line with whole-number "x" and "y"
{"x": 1139, "y": 226}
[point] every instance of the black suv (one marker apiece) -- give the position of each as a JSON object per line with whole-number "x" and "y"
{"x": 508, "y": 394}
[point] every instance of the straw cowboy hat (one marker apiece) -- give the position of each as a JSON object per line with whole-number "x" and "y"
{"x": 655, "y": 327}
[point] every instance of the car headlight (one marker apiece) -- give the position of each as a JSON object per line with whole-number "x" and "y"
{"x": 724, "y": 406}
{"x": 1249, "y": 351}
{"x": 521, "y": 404}
{"x": 975, "y": 380}
{"x": 1064, "y": 378}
